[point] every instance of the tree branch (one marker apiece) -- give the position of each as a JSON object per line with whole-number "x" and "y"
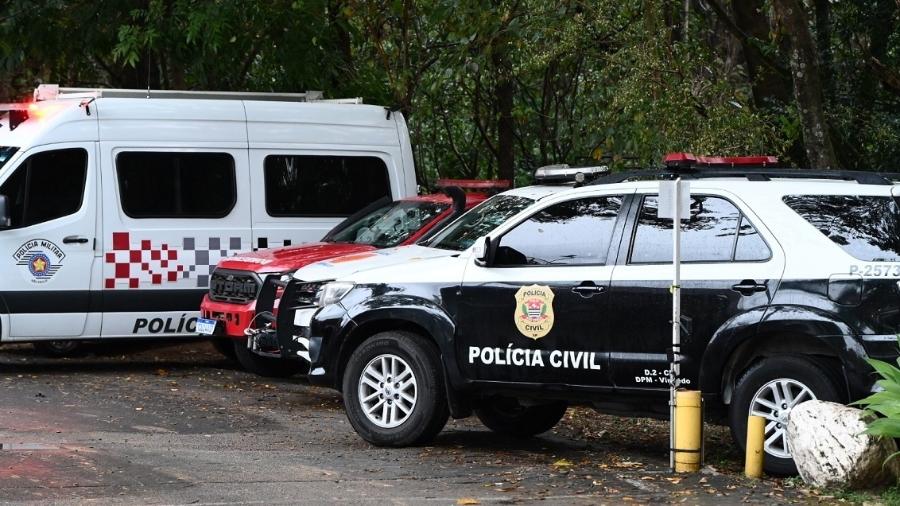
{"x": 745, "y": 39}
{"x": 889, "y": 78}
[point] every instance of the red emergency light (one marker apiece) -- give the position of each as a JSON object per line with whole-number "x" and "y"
{"x": 475, "y": 184}
{"x": 689, "y": 160}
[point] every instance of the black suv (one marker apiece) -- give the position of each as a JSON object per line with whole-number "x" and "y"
{"x": 790, "y": 280}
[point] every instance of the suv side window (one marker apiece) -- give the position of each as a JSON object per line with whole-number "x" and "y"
{"x": 46, "y": 186}
{"x": 576, "y": 232}
{"x": 711, "y": 235}
{"x": 867, "y": 227}
{"x": 315, "y": 185}
{"x": 176, "y": 185}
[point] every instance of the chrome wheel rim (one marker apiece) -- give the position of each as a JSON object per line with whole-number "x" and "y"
{"x": 387, "y": 391}
{"x": 774, "y": 402}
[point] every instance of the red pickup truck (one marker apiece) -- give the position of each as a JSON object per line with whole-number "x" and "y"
{"x": 236, "y": 281}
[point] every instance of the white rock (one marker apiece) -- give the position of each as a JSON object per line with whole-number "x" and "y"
{"x": 831, "y": 449}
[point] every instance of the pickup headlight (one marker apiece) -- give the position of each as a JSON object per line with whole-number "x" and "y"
{"x": 333, "y": 292}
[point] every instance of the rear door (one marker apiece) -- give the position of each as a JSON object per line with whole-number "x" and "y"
{"x": 539, "y": 313}
{"x": 729, "y": 266}
{"x": 48, "y": 270}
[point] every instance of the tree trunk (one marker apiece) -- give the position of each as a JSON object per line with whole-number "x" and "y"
{"x": 808, "y": 92}
{"x": 770, "y": 88}
{"x": 503, "y": 94}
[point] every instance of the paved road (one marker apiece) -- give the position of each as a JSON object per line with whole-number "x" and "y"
{"x": 178, "y": 424}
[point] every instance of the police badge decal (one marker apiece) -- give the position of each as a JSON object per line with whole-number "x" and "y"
{"x": 39, "y": 259}
{"x": 534, "y": 311}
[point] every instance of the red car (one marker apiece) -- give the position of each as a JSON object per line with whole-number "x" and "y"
{"x": 235, "y": 283}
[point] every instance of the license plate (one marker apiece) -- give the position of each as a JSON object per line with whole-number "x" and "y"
{"x": 206, "y": 326}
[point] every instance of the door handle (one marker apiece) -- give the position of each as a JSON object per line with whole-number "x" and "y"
{"x": 74, "y": 239}
{"x": 749, "y": 287}
{"x": 588, "y": 289}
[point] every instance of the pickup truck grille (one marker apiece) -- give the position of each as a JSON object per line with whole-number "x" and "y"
{"x": 233, "y": 286}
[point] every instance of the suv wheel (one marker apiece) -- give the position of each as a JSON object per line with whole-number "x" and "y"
{"x": 394, "y": 390}
{"x": 771, "y": 389}
{"x": 507, "y": 416}
{"x": 268, "y": 367}
{"x": 57, "y": 349}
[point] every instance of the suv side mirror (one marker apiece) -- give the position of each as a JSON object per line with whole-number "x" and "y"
{"x": 5, "y": 219}
{"x": 484, "y": 253}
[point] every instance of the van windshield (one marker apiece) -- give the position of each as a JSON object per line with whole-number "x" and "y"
{"x": 481, "y": 220}
{"x": 6, "y": 152}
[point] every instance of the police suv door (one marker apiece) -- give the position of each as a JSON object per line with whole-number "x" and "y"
{"x": 538, "y": 312}
{"x": 49, "y": 245}
{"x": 731, "y": 265}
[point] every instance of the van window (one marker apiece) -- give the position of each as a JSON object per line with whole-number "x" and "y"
{"x": 176, "y": 185}
{"x": 6, "y": 153}
{"x": 46, "y": 186}
{"x": 309, "y": 185}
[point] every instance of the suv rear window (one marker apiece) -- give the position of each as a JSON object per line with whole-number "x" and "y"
{"x": 867, "y": 227}
{"x": 716, "y": 232}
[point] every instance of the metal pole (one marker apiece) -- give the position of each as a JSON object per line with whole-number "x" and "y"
{"x": 675, "y": 369}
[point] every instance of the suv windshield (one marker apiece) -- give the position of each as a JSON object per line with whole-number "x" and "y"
{"x": 6, "y": 153}
{"x": 479, "y": 221}
{"x": 390, "y": 225}
{"x": 866, "y": 227}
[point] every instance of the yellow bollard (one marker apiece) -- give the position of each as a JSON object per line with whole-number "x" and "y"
{"x": 756, "y": 433}
{"x": 688, "y": 431}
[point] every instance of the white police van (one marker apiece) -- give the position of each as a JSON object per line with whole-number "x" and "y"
{"x": 115, "y": 205}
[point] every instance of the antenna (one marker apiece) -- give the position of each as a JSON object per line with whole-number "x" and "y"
{"x": 148, "y": 71}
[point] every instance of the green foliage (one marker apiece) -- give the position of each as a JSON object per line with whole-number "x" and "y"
{"x": 571, "y": 81}
{"x": 885, "y": 402}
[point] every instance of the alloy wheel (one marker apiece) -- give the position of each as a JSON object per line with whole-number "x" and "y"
{"x": 387, "y": 391}
{"x": 774, "y": 402}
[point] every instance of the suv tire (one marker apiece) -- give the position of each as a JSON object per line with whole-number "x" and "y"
{"x": 388, "y": 412}
{"x": 58, "y": 349}
{"x": 268, "y": 367}
{"x": 225, "y": 346}
{"x": 506, "y": 416}
{"x": 766, "y": 381}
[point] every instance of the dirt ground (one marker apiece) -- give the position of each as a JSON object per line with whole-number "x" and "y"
{"x": 176, "y": 423}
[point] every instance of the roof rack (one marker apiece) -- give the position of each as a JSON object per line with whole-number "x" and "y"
{"x": 753, "y": 168}
{"x": 751, "y": 174}
{"x": 53, "y": 91}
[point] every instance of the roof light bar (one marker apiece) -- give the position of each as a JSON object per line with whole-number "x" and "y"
{"x": 563, "y": 173}
{"x": 690, "y": 161}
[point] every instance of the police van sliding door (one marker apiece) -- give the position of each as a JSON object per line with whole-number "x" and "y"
{"x": 46, "y": 276}
{"x": 170, "y": 214}
{"x": 539, "y": 313}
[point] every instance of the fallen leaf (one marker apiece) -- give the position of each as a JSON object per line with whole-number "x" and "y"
{"x": 467, "y": 500}
{"x": 563, "y": 464}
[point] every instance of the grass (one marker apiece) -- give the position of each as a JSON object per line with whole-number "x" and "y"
{"x": 889, "y": 496}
